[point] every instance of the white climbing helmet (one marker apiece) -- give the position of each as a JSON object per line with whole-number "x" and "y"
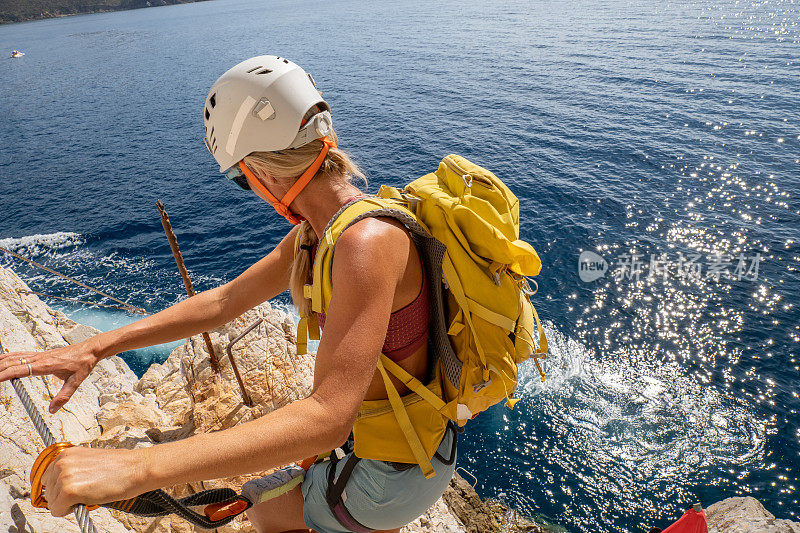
{"x": 258, "y": 106}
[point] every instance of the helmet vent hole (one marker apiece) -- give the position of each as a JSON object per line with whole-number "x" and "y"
{"x": 286, "y": 61}
{"x": 213, "y": 100}
{"x": 253, "y": 69}
{"x": 265, "y": 71}
{"x": 208, "y": 115}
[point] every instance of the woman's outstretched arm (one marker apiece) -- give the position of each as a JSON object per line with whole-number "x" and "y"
{"x": 209, "y": 309}
{"x": 365, "y": 280}
{"x": 202, "y": 312}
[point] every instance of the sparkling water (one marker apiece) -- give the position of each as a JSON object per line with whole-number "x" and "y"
{"x": 662, "y": 137}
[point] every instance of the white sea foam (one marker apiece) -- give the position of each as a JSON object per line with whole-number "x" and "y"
{"x": 42, "y": 243}
{"x": 566, "y": 360}
{"x": 637, "y": 416}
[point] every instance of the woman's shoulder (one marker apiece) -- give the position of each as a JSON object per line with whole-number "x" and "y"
{"x": 375, "y": 232}
{"x": 374, "y": 239}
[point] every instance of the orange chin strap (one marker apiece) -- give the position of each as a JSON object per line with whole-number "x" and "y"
{"x": 282, "y": 205}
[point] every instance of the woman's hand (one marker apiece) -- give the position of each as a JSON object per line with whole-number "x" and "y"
{"x": 70, "y": 363}
{"x": 91, "y": 476}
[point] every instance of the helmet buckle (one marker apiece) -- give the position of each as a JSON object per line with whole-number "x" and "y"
{"x": 323, "y": 125}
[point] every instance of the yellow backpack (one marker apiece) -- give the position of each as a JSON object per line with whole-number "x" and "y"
{"x": 465, "y": 223}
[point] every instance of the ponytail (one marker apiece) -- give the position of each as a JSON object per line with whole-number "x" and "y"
{"x": 301, "y": 269}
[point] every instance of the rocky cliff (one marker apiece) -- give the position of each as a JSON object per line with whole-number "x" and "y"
{"x": 21, "y": 10}
{"x": 182, "y": 396}
{"x": 171, "y": 401}
{"x": 746, "y": 515}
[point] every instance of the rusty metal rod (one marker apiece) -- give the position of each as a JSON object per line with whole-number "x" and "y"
{"x": 245, "y": 396}
{"x": 176, "y": 252}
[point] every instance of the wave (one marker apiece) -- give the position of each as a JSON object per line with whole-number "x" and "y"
{"x": 141, "y": 280}
{"x": 42, "y": 243}
{"x": 644, "y": 427}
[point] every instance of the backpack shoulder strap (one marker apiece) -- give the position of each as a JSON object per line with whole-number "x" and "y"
{"x": 319, "y": 291}
{"x": 321, "y": 287}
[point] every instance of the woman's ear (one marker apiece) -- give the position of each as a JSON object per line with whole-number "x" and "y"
{"x": 266, "y": 177}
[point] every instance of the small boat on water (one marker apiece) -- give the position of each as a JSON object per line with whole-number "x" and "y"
{"x": 17, "y": 53}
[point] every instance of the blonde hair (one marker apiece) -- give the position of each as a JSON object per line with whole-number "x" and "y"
{"x": 289, "y": 165}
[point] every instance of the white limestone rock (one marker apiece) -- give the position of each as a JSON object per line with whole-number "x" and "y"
{"x": 746, "y": 515}
{"x": 437, "y": 519}
{"x": 18, "y": 515}
{"x": 27, "y": 324}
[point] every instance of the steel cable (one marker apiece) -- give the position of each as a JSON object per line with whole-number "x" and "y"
{"x": 81, "y": 513}
{"x": 131, "y": 308}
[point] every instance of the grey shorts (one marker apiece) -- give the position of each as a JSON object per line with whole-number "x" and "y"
{"x": 377, "y": 495}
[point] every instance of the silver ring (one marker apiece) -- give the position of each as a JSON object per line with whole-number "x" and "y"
{"x": 30, "y": 370}
{"x": 23, "y": 361}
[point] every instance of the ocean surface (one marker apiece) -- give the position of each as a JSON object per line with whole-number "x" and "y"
{"x": 664, "y": 137}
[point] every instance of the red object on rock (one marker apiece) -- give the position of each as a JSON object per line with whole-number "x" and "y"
{"x": 691, "y": 522}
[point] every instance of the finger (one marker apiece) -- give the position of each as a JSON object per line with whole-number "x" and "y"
{"x": 50, "y": 486}
{"x": 49, "y": 476}
{"x": 8, "y": 360}
{"x": 56, "y": 499}
{"x": 19, "y": 360}
{"x": 5, "y": 355}
{"x": 66, "y": 392}
{"x": 19, "y": 369}
{"x": 60, "y": 492}
{"x": 54, "y": 492}
{"x": 15, "y": 372}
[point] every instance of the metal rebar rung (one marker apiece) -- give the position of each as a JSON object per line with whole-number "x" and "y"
{"x": 245, "y": 395}
{"x": 470, "y": 474}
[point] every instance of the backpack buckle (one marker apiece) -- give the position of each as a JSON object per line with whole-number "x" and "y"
{"x": 480, "y": 386}
{"x": 526, "y": 287}
{"x": 496, "y": 269}
{"x": 467, "y": 179}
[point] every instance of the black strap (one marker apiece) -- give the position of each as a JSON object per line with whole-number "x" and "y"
{"x": 159, "y": 503}
{"x": 152, "y": 503}
{"x": 336, "y": 485}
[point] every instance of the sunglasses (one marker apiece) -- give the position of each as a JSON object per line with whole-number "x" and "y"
{"x": 236, "y": 175}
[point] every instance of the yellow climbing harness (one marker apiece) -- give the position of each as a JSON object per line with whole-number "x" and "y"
{"x": 465, "y": 222}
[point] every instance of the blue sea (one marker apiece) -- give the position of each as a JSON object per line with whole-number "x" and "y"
{"x": 662, "y": 136}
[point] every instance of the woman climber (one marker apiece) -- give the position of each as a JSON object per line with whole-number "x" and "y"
{"x": 271, "y": 132}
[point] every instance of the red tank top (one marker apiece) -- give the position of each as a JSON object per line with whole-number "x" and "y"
{"x": 408, "y": 326}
